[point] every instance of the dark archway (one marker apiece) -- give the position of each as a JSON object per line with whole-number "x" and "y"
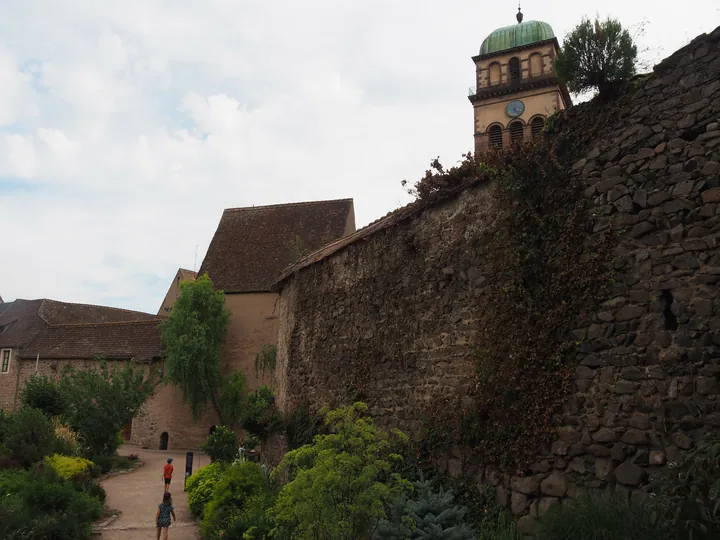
{"x": 212, "y": 430}
{"x": 164, "y": 438}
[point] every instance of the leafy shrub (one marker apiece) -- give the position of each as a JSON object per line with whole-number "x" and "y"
{"x": 499, "y": 527}
{"x": 689, "y": 496}
{"x": 29, "y": 436}
{"x": 430, "y": 514}
{"x": 261, "y": 417}
{"x": 222, "y": 445}
{"x": 104, "y": 462}
{"x": 200, "y": 487}
{"x": 301, "y": 425}
{"x": 68, "y": 467}
{"x": 238, "y": 503}
{"x": 67, "y": 441}
{"x": 341, "y": 484}
{"x": 598, "y": 517}
{"x": 43, "y": 393}
{"x": 95, "y": 490}
{"x": 39, "y": 504}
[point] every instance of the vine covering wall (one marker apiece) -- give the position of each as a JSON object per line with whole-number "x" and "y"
{"x": 546, "y": 320}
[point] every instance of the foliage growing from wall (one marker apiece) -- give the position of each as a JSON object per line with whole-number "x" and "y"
{"x": 101, "y": 400}
{"x": 43, "y": 393}
{"x": 193, "y": 337}
{"x": 340, "y": 485}
{"x": 545, "y": 280}
{"x": 265, "y": 361}
{"x": 221, "y": 445}
{"x": 596, "y": 54}
{"x": 233, "y": 399}
{"x": 261, "y": 416}
{"x": 301, "y": 425}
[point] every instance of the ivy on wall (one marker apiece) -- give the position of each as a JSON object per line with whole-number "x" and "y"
{"x": 544, "y": 277}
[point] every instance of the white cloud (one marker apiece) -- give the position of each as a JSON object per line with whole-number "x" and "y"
{"x": 126, "y": 128}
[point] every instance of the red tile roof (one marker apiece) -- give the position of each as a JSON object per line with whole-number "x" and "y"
{"x": 64, "y": 330}
{"x": 139, "y": 340}
{"x": 252, "y": 246}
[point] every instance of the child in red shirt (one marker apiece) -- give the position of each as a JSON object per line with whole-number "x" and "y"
{"x": 167, "y": 474}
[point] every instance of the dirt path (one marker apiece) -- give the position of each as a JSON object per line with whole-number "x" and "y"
{"x": 138, "y": 494}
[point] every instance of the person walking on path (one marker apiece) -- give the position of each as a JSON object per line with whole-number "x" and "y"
{"x": 164, "y": 511}
{"x": 167, "y": 474}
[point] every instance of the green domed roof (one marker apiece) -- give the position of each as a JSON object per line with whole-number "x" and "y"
{"x": 516, "y": 35}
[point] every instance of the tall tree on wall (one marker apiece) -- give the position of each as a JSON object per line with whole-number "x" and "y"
{"x": 597, "y": 54}
{"x": 193, "y": 337}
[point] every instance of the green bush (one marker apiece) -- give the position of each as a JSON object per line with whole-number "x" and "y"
{"x": 43, "y": 393}
{"x": 38, "y": 504}
{"x": 105, "y": 463}
{"x": 29, "y": 436}
{"x": 341, "y": 484}
{"x": 69, "y": 467}
{"x": 430, "y": 513}
{"x": 261, "y": 417}
{"x": 599, "y": 517}
{"x": 200, "y": 487}
{"x": 222, "y": 445}
{"x": 239, "y": 503}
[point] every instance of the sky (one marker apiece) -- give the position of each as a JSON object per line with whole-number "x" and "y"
{"x": 127, "y": 127}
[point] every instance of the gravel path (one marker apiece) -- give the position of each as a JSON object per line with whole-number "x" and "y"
{"x": 137, "y": 495}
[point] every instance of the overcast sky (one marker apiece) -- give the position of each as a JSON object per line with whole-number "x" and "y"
{"x": 127, "y": 127}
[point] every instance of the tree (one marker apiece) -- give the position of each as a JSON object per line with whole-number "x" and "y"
{"x": 596, "y": 54}
{"x": 100, "y": 401}
{"x": 233, "y": 399}
{"x": 341, "y": 484}
{"x": 193, "y": 337}
{"x": 43, "y": 393}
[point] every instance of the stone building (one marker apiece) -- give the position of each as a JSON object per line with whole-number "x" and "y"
{"x": 395, "y": 312}
{"x": 43, "y": 336}
{"x": 517, "y": 87}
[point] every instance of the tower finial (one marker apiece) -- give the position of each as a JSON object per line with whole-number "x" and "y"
{"x": 519, "y": 15}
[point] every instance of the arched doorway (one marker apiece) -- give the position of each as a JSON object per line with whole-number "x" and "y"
{"x": 212, "y": 430}
{"x": 164, "y": 437}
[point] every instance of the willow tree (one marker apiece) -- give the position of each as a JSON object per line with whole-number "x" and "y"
{"x": 597, "y": 54}
{"x": 193, "y": 337}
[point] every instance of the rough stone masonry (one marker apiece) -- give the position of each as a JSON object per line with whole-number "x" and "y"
{"x": 389, "y": 316}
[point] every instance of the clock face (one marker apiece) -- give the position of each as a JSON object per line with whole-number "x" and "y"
{"x": 515, "y": 108}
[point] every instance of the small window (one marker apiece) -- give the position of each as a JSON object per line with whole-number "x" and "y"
{"x": 514, "y": 67}
{"x": 496, "y": 136}
{"x": 5, "y": 361}
{"x": 537, "y": 125}
{"x": 516, "y": 132}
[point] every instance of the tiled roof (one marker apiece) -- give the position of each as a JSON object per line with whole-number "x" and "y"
{"x": 139, "y": 340}
{"x": 252, "y": 246}
{"x": 64, "y": 330}
{"x": 19, "y": 322}
{"x": 54, "y": 312}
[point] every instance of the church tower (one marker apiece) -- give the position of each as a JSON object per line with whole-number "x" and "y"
{"x": 517, "y": 87}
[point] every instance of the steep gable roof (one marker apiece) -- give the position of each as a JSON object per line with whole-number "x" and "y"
{"x": 54, "y": 312}
{"x": 181, "y": 276}
{"x": 253, "y": 245}
{"x": 19, "y": 322}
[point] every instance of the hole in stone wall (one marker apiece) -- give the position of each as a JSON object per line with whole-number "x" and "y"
{"x": 670, "y": 320}
{"x": 164, "y": 440}
{"x": 212, "y": 430}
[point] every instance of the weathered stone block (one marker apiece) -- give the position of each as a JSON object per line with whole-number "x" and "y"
{"x": 527, "y": 485}
{"x": 629, "y": 474}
